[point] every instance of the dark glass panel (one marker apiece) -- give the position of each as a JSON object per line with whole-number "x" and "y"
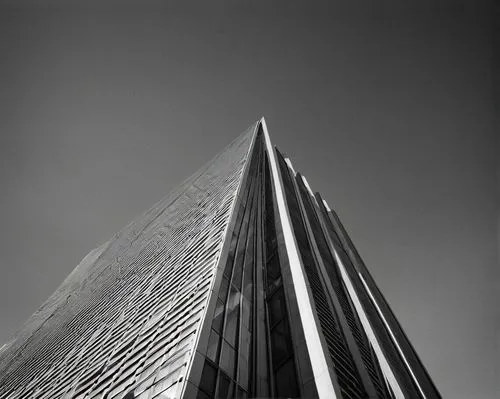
{"x": 246, "y": 313}
{"x": 276, "y": 307}
{"x": 228, "y": 359}
{"x": 273, "y": 268}
{"x": 240, "y": 253}
{"x": 247, "y": 290}
{"x": 243, "y": 372}
{"x": 238, "y": 271}
{"x": 226, "y": 387}
{"x": 241, "y": 393}
{"x": 286, "y": 380}
{"x": 230, "y": 259}
{"x": 245, "y": 342}
{"x": 208, "y": 377}
{"x": 224, "y": 286}
{"x": 279, "y": 343}
{"x": 271, "y": 239}
{"x": 233, "y": 312}
{"x": 218, "y": 316}
{"x": 203, "y": 395}
{"x": 273, "y": 285}
{"x": 213, "y": 346}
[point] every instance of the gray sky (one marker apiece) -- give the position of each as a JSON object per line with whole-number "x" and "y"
{"x": 387, "y": 110}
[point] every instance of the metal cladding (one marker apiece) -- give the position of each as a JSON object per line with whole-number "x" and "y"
{"x": 241, "y": 283}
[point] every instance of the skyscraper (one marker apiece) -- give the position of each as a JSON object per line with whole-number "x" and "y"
{"x": 240, "y": 283}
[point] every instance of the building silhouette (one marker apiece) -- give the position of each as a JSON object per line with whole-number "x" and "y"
{"x": 241, "y": 283}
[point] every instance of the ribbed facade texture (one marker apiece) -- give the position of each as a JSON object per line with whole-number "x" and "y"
{"x": 241, "y": 283}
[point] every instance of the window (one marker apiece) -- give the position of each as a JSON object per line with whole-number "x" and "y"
{"x": 213, "y": 346}
{"x": 273, "y": 268}
{"x": 243, "y": 372}
{"x": 279, "y": 343}
{"x": 233, "y": 312}
{"x": 247, "y": 290}
{"x": 218, "y": 316}
{"x": 273, "y": 285}
{"x": 228, "y": 359}
{"x": 241, "y": 393}
{"x": 224, "y": 286}
{"x": 286, "y": 380}
{"x": 203, "y": 395}
{"x": 226, "y": 387}
{"x": 276, "y": 308}
{"x": 246, "y": 310}
{"x": 271, "y": 239}
{"x": 208, "y": 377}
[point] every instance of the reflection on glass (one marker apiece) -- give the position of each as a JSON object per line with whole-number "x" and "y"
{"x": 233, "y": 312}
{"x": 228, "y": 359}
{"x": 208, "y": 376}
{"x": 213, "y": 346}
{"x": 246, "y": 312}
{"x": 243, "y": 372}
{"x": 218, "y": 316}
{"x": 224, "y": 285}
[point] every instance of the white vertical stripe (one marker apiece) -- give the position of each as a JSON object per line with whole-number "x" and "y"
{"x": 307, "y": 186}
{"x": 384, "y": 364}
{"x": 289, "y": 163}
{"x": 415, "y": 380}
{"x": 326, "y": 206}
{"x": 319, "y": 364}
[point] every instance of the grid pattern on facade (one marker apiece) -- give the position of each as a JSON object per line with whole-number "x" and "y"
{"x": 283, "y": 364}
{"x": 230, "y": 368}
{"x": 125, "y": 320}
{"x": 226, "y": 372}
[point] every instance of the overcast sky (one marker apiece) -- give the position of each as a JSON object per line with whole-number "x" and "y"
{"x": 387, "y": 110}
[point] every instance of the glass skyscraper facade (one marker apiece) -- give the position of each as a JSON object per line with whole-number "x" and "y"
{"x": 241, "y": 283}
